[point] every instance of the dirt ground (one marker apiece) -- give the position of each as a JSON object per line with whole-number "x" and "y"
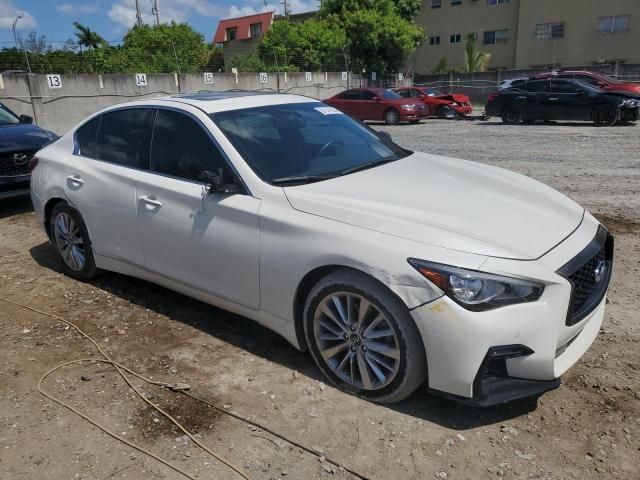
{"x": 588, "y": 428}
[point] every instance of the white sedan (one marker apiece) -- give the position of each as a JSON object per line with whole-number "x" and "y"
{"x": 392, "y": 267}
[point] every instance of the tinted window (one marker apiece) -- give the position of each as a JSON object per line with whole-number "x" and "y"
{"x": 405, "y": 93}
{"x": 7, "y": 117}
{"x": 123, "y": 137}
{"x": 390, "y": 94}
{"x": 367, "y": 95}
{"x": 87, "y": 136}
{"x": 313, "y": 139}
{"x": 350, "y": 95}
{"x": 589, "y": 79}
{"x": 562, "y": 86}
{"x": 180, "y": 147}
{"x": 537, "y": 87}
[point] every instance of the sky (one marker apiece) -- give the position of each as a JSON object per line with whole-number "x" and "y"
{"x": 112, "y": 18}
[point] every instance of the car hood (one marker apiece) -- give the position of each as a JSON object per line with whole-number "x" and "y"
{"x": 623, "y": 87}
{"x": 448, "y": 203}
{"x": 454, "y": 97}
{"x": 24, "y": 137}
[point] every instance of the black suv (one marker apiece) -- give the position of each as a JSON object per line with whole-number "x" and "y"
{"x": 562, "y": 99}
{"x": 19, "y": 141}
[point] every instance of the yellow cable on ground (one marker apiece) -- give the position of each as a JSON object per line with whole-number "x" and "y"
{"x": 121, "y": 369}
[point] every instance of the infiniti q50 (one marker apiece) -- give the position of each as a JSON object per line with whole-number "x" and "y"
{"x": 393, "y": 268}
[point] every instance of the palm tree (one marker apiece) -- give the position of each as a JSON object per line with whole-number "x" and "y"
{"x": 474, "y": 59}
{"x": 87, "y": 37}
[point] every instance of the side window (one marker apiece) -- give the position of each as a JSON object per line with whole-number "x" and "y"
{"x": 123, "y": 137}
{"x": 366, "y": 95}
{"x": 589, "y": 79}
{"x": 405, "y": 93}
{"x": 180, "y": 147}
{"x": 415, "y": 93}
{"x": 562, "y": 86}
{"x": 87, "y": 137}
{"x": 350, "y": 95}
{"x": 538, "y": 87}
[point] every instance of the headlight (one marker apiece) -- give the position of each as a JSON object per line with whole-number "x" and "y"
{"x": 408, "y": 107}
{"x": 475, "y": 290}
{"x": 455, "y": 104}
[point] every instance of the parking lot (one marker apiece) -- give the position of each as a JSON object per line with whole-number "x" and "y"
{"x": 588, "y": 428}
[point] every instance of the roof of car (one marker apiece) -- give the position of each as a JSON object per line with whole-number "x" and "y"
{"x": 218, "y": 101}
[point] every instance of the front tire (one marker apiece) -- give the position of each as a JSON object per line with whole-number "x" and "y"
{"x": 445, "y": 112}
{"x": 391, "y": 117}
{"x": 363, "y": 338}
{"x": 606, "y": 115}
{"x": 70, "y": 239}
{"x": 511, "y": 115}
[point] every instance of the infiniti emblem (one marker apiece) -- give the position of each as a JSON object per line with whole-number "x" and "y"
{"x": 20, "y": 158}
{"x": 600, "y": 270}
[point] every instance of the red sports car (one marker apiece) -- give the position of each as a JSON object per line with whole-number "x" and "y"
{"x": 439, "y": 104}
{"x": 596, "y": 79}
{"x": 378, "y": 104}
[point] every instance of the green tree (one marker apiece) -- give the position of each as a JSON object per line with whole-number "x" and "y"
{"x": 378, "y": 35}
{"x": 442, "y": 66}
{"x": 87, "y": 37}
{"x": 474, "y": 59}
{"x": 408, "y": 9}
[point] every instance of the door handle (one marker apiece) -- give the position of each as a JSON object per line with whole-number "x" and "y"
{"x": 553, "y": 98}
{"x": 75, "y": 180}
{"x": 149, "y": 200}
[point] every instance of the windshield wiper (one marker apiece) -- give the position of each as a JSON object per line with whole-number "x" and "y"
{"x": 366, "y": 166}
{"x": 301, "y": 179}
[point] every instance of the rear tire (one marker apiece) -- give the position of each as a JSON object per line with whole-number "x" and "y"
{"x": 70, "y": 238}
{"x": 511, "y": 114}
{"x": 445, "y": 112}
{"x": 362, "y": 337}
{"x": 606, "y": 115}
{"x": 391, "y": 117}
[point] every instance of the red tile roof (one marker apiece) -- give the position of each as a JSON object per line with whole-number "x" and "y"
{"x": 242, "y": 24}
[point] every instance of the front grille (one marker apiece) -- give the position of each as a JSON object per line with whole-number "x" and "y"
{"x": 589, "y": 274}
{"x": 15, "y": 163}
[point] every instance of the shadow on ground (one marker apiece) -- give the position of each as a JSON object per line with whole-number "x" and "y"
{"x": 15, "y": 206}
{"x": 258, "y": 340}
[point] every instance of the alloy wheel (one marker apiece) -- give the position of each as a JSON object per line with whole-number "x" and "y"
{"x": 356, "y": 340}
{"x": 69, "y": 241}
{"x": 391, "y": 117}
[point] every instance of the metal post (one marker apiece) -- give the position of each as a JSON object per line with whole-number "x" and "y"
{"x": 154, "y": 11}
{"x": 15, "y": 38}
{"x": 175, "y": 55}
{"x": 138, "y": 14}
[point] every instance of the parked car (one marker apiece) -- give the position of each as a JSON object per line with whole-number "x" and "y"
{"x": 19, "y": 140}
{"x": 391, "y": 266}
{"x": 596, "y": 79}
{"x": 510, "y": 82}
{"x": 378, "y": 104}
{"x": 439, "y": 104}
{"x": 562, "y": 100}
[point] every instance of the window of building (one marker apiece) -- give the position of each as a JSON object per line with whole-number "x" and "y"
{"x": 181, "y": 148}
{"x": 455, "y": 38}
{"x": 255, "y": 30}
{"x": 232, "y": 33}
{"x": 495, "y": 36}
{"x": 497, "y": 2}
{"x": 619, "y": 23}
{"x": 436, "y": 3}
{"x": 455, "y": 3}
{"x": 550, "y": 30}
{"x": 434, "y": 40}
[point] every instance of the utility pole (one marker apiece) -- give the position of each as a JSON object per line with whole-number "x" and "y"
{"x": 15, "y": 38}
{"x": 154, "y": 11}
{"x": 138, "y": 14}
{"x": 287, "y": 8}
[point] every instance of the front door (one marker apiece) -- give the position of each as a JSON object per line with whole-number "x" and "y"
{"x": 205, "y": 241}
{"x": 568, "y": 101}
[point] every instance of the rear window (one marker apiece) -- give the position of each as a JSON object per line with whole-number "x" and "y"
{"x": 123, "y": 137}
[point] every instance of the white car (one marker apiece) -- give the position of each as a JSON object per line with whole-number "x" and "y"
{"x": 392, "y": 267}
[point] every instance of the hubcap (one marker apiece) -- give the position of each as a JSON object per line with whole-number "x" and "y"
{"x": 356, "y": 340}
{"x": 69, "y": 241}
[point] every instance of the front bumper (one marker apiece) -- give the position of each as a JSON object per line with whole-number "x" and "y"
{"x": 459, "y": 342}
{"x": 463, "y": 109}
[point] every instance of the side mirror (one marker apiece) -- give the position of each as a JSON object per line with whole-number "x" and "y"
{"x": 215, "y": 182}
{"x": 26, "y": 119}
{"x": 385, "y": 136}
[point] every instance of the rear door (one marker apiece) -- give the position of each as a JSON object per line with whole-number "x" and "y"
{"x": 368, "y": 108}
{"x": 100, "y": 179}
{"x": 205, "y": 241}
{"x": 535, "y": 100}
{"x": 348, "y": 102}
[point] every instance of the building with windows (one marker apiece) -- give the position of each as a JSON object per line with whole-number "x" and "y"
{"x": 237, "y": 36}
{"x": 529, "y": 33}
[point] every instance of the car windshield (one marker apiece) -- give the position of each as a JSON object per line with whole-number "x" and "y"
{"x": 587, "y": 86}
{"x": 390, "y": 94}
{"x": 303, "y": 142}
{"x": 7, "y": 117}
{"x": 432, "y": 92}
